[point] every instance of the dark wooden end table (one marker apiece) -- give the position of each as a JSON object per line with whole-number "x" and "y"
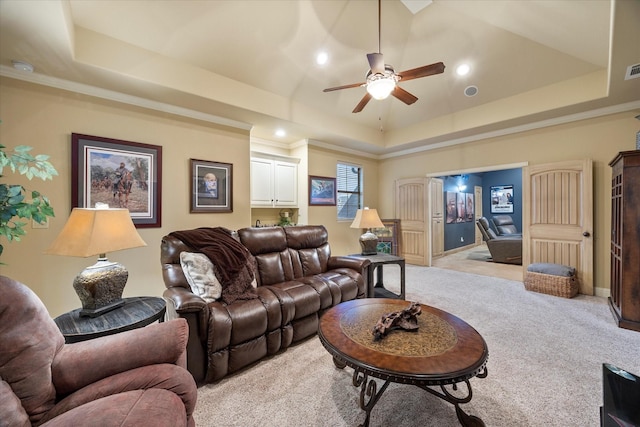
{"x": 135, "y": 313}
{"x": 443, "y": 352}
{"x": 378, "y": 262}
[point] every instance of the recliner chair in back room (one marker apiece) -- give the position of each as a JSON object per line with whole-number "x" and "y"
{"x": 503, "y": 249}
{"x": 504, "y": 225}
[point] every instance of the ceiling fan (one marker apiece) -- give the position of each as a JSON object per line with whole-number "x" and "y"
{"x": 381, "y": 79}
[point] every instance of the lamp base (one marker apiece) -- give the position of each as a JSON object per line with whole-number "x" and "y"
{"x": 100, "y": 287}
{"x": 369, "y": 243}
{"x": 88, "y": 312}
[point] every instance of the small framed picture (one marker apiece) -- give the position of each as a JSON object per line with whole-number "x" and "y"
{"x": 322, "y": 191}
{"x": 211, "y": 186}
{"x": 121, "y": 174}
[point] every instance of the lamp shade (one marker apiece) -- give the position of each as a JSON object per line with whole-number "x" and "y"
{"x": 90, "y": 231}
{"x": 367, "y": 218}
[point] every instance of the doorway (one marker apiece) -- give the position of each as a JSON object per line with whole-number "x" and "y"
{"x": 464, "y": 249}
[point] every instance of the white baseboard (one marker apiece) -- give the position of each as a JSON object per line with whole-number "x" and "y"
{"x": 602, "y": 292}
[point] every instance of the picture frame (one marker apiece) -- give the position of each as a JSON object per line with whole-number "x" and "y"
{"x": 502, "y": 199}
{"x": 211, "y": 186}
{"x": 322, "y": 191}
{"x": 121, "y": 174}
{"x": 389, "y": 237}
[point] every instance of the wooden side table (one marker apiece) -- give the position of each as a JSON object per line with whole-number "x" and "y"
{"x": 136, "y": 312}
{"x": 378, "y": 262}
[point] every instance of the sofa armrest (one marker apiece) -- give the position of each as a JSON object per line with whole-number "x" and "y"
{"x": 357, "y": 264}
{"x": 183, "y": 300}
{"x": 83, "y": 363}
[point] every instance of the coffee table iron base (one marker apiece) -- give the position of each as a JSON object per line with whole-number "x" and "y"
{"x": 369, "y": 394}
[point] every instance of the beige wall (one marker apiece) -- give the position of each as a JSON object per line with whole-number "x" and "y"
{"x": 598, "y": 139}
{"x": 44, "y": 118}
{"x": 344, "y": 240}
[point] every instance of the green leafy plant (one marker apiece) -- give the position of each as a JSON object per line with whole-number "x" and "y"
{"x": 13, "y": 202}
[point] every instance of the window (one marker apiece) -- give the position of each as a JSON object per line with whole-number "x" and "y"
{"x": 349, "y": 190}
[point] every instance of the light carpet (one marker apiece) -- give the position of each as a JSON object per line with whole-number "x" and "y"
{"x": 544, "y": 368}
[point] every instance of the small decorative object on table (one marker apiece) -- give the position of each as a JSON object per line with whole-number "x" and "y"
{"x": 406, "y": 319}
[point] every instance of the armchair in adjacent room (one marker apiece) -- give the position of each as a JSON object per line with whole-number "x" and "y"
{"x": 504, "y": 225}
{"x": 133, "y": 378}
{"x": 503, "y": 249}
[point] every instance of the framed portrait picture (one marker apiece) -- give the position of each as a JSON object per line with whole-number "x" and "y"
{"x": 211, "y": 186}
{"x": 121, "y": 174}
{"x": 322, "y": 191}
{"x": 502, "y": 199}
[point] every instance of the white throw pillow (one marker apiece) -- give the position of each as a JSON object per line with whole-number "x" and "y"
{"x": 198, "y": 269}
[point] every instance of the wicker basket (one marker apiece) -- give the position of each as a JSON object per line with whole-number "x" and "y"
{"x": 560, "y": 286}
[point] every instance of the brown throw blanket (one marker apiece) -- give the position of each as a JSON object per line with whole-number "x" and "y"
{"x": 233, "y": 263}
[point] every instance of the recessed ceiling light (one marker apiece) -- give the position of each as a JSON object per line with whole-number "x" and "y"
{"x": 471, "y": 91}
{"x": 322, "y": 58}
{"x": 22, "y": 66}
{"x": 280, "y": 133}
{"x": 463, "y": 69}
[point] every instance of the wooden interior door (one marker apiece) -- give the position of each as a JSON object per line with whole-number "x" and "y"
{"x": 412, "y": 201}
{"x": 558, "y": 217}
{"x": 436, "y": 195}
{"x": 477, "y": 190}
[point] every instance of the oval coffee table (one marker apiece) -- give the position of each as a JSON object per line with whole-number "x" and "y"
{"x": 443, "y": 352}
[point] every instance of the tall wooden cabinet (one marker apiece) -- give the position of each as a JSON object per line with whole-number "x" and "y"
{"x": 625, "y": 239}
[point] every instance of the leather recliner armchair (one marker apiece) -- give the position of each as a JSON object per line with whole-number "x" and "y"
{"x": 503, "y": 249}
{"x": 133, "y": 378}
{"x": 504, "y": 225}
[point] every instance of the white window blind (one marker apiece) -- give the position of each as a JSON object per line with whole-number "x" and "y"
{"x": 349, "y": 190}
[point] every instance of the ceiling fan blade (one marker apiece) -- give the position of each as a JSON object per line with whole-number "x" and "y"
{"x": 403, "y": 95}
{"x": 427, "y": 70}
{"x": 363, "y": 102}
{"x": 376, "y": 63}
{"x": 343, "y": 87}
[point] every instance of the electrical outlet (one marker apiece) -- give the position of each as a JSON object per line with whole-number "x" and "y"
{"x": 462, "y": 239}
{"x": 36, "y": 224}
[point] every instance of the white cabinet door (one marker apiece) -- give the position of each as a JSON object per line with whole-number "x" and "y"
{"x": 285, "y": 184}
{"x": 273, "y": 183}
{"x": 261, "y": 182}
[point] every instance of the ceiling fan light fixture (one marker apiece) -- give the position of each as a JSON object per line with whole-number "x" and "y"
{"x": 380, "y": 86}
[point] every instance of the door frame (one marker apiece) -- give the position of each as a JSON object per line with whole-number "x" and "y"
{"x": 493, "y": 168}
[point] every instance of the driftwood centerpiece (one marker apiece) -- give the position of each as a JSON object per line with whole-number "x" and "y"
{"x": 406, "y": 319}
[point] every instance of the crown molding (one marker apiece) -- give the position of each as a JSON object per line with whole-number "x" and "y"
{"x": 94, "y": 91}
{"x": 36, "y": 78}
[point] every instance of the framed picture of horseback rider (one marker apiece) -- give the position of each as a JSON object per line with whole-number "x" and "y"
{"x": 120, "y": 174}
{"x": 211, "y": 186}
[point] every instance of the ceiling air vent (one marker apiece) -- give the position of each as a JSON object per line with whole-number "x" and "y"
{"x": 633, "y": 72}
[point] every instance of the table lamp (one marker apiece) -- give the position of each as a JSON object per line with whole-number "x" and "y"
{"x": 96, "y": 231}
{"x": 368, "y": 219}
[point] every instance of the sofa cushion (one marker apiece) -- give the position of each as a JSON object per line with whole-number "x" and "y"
{"x": 552, "y": 269}
{"x": 198, "y": 269}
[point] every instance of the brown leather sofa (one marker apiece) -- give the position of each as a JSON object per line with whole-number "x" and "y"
{"x": 505, "y": 249}
{"x": 132, "y": 378}
{"x": 297, "y": 279}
